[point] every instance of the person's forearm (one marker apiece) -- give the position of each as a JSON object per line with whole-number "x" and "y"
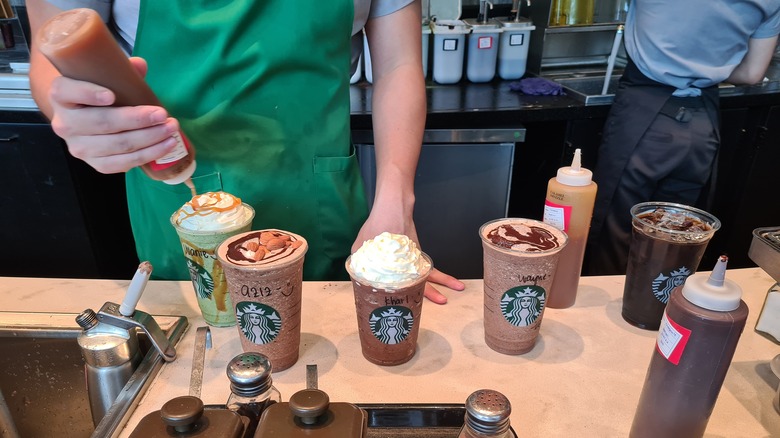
{"x": 399, "y": 120}
{"x": 399, "y": 105}
{"x": 755, "y": 63}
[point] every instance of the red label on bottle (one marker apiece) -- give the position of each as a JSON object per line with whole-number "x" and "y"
{"x": 672, "y": 339}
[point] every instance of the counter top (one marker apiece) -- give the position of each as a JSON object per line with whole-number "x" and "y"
{"x": 584, "y": 375}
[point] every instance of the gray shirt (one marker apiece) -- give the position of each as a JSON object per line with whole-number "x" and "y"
{"x": 692, "y": 44}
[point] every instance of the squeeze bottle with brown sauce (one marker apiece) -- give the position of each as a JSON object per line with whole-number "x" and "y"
{"x": 699, "y": 332}
{"x": 571, "y": 195}
{"x": 81, "y": 47}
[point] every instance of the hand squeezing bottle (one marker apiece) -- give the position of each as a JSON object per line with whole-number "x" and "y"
{"x": 81, "y": 47}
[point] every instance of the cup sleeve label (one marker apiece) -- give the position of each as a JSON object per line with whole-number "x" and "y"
{"x": 672, "y": 339}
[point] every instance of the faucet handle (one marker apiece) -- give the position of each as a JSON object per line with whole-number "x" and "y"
{"x": 136, "y": 288}
{"x": 110, "y": 314}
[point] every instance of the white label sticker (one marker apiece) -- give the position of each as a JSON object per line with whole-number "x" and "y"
{"x": 485, "y": 42}
{"x": 555, "y": 216}
{"x": 516, "y": 39}
{"x": 176, "y": 154}
{"x": 668, "y": 337}
{"x": 450, "y": 45}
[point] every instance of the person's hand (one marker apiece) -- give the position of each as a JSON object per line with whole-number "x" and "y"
{"x": 110, "y": 139}
{"x": 373, "y": 227}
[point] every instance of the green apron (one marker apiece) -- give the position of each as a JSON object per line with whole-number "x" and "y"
{"x": 261, "y": 88}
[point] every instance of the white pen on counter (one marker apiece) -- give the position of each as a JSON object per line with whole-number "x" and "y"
{"x": 136, "y": 288}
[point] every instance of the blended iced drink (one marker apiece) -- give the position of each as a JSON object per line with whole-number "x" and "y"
{"x": 202, "y": 224}
{"x": 388, "y": 277}
{"x": 520, "y": 260}
{"x": 264, "y": 271}
{"x": 667, "y": 244}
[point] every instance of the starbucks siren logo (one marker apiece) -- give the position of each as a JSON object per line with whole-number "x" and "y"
{"x": 260, "y": 324}
{"x": 391, "y": 324}
{"x": 523, "y": 304}
{"x": 664, "y": 285}
{"x": 201, "y": 280}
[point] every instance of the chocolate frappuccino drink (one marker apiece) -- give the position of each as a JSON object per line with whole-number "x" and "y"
{"x": 388, "y": 277}
{"x": 520, "y": 260}
{"x": 264, "y": 271}
{"x": 202, "y": 224}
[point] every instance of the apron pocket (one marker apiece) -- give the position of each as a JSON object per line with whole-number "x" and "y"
{"x": 341, "y": 207}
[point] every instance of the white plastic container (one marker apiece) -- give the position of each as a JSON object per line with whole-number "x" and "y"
{"x": 426, "y": 43}
{"x": 482, "y": 52}
{"x": 513, "y": 47}
{"x": 449, "y": 40}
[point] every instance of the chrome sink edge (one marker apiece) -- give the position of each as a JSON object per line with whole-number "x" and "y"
{"x": 127, "y": 400}
{"x": 63, "y": 325}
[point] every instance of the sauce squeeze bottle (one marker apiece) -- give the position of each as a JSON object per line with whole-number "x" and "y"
{"x": 571, "y": 195}
{"x": 81, "y": 47}
{"x": 696, "y": 342}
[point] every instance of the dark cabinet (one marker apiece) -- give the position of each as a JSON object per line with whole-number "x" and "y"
{"x": 744, "y": 196}
{"x": 59, "y": 217}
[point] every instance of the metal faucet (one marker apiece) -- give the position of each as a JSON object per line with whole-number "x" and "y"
{"x": 482, "y": 18}
{"x": 109, "y": 344}
{"x": 514, "y": 13}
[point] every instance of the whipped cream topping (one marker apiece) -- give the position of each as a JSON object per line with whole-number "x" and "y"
{"x": 389, "y": 259}
{"x": 212, "y": 211}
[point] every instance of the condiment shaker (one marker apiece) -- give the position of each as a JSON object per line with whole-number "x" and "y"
{"x": 251, "y": 387}
{"x": 487, "y": 415}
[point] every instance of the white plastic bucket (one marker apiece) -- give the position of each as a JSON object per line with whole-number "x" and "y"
{"x": 513, "y": 50}
{"x": 482, "y": 53}
{"x": 449, "y": 38}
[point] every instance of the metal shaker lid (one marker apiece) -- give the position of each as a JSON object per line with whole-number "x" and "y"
{"x": 249, "y": 374}
{"x": 487, "y": 411}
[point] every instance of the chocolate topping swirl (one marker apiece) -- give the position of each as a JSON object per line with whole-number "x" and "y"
{"x": 538, "y": 239}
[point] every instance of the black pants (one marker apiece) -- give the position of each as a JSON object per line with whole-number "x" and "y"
{"x": 672, "y": 162}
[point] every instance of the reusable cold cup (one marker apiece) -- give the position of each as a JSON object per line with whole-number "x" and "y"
{"x": 667, "y": 243}
{"x": 264, "y": 272}
{"x": 388, "y": 316}
{"x": 199, "y": 247}
{"x": 520, "y": 260}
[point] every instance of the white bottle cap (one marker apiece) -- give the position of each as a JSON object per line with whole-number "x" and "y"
{"x": 713, "y": 292}
{"x": 575, "y": 175}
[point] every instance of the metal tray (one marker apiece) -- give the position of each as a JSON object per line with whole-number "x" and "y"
{"x": 765, "y": 250}
{"x": 415, "y": 420}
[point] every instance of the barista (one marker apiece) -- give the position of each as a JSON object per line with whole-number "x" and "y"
{"x": 662, "y": 133}
{"x": 262, "y": 91}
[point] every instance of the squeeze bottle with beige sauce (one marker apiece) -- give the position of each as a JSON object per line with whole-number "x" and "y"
{"x": 571, "y": 195}
{"x": 81, "y": 47}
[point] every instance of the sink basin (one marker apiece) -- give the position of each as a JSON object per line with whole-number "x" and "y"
{"x": 588, "y": 89}
{"x": 42, "y": 376}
